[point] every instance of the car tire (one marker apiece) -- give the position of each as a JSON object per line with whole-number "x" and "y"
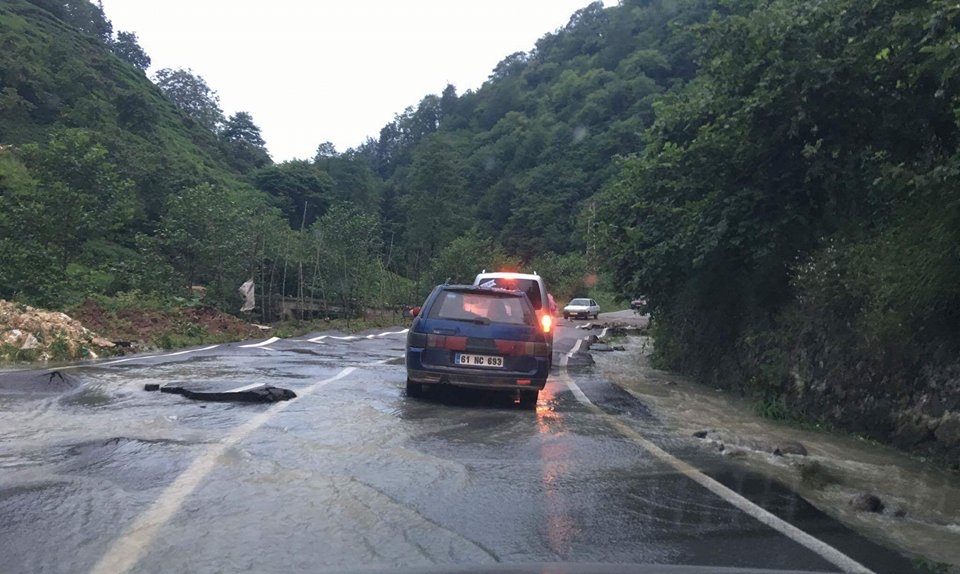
{"x": 528, "y": 400}
{"x": 414, "y": 389}
{"x": 566, "y": 316}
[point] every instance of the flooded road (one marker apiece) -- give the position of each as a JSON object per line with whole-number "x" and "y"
{"x": 352, "y": 474}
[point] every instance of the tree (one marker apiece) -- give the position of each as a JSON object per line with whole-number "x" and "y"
{"x": 127, "y": 48}
{"x": 79, "y": 196}
{"x": 436, "y": 205}
{"x": 461, "y": 259}
{"x": 87, "y": 17}
{"x": 211, "y": 234}
{"x": 348, "y": 248}
{"x": 192, "y": 95}
{"x": 300, "y": 189}
{"x": 243, "y": 144}
{"x": 325, "y": 150}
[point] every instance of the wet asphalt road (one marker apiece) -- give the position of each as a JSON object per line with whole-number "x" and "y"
{"x": 101, "y": 476}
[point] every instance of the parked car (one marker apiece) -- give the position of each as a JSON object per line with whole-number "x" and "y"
{"x": 478, "y": 337}
{"x": 581, "y": 307}
{"x": 638, "y": 304}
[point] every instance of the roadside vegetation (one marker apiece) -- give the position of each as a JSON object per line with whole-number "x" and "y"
{"x": 778, "y": 179}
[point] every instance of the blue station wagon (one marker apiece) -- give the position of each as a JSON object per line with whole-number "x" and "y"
{"x": 478, "y": 337}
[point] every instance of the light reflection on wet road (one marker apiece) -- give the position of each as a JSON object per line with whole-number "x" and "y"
{"x": 352, "y": 474}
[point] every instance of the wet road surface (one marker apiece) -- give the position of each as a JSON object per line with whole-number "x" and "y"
{"x": 106, "y": 477}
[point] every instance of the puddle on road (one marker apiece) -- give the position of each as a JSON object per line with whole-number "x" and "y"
{"x": 922, "y": 515}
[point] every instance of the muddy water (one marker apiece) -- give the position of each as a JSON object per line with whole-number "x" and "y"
{"x": 922, "y": 503}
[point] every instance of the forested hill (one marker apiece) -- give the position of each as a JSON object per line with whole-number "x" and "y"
{"x": 519, "y": 158}
{"x": 162, "y": 192}
{"x": 93, "y": 160}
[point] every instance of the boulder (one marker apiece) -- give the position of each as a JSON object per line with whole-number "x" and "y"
{"x": 948, "y": 431}
{"x": 790, "y": 447}
{"x": 815, "y": 474}
{"x": 866, "y": 502}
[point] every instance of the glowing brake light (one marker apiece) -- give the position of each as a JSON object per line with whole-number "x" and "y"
{"x": 546, "y": 321}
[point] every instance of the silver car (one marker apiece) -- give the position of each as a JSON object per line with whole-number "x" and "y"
{"x": 581, "y": 307}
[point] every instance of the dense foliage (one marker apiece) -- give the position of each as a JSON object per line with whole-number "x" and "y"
{"x": 794, "y": 218}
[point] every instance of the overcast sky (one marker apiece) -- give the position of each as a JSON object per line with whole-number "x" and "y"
{"x": 311, "y": 71}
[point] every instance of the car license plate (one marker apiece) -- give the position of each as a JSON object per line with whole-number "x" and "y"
{"x": 465, "y": 360}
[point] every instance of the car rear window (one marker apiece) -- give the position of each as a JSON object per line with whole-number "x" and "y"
{"x": 584, "y": 302}
{"x": 528, "y": 286}
{"x": 471, "y": 306}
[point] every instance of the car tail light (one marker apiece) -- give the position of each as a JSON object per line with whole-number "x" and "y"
{"x": 505, "y": 347}
{"x": 424, "y": 340}
{"x": 447, "y": 342}
{"x": 546, "y": 322}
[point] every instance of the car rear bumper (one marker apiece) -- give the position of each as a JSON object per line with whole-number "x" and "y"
{"x": 473, "y": 378}
{"x": 578, "y": 314}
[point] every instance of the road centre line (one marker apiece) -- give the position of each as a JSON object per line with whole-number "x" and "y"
{"x": 189, "y": 351}
{"x": 819, "y": 547}
{"x": 126, "y": 551}
{"x": 321, "y": 338}
{"x": 261, "y": 343}
{"x": 134, "y": 358}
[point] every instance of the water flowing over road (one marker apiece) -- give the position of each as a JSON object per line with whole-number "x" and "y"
{"x": 105, "y": 477}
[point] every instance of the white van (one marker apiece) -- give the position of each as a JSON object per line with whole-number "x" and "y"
{"x": 531, "y": 284}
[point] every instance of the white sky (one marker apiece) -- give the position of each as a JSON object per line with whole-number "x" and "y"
{"x": 311, "y": 71}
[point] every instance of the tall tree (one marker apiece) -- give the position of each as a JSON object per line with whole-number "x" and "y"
{"x": 192, "y": 95}
{"x": 87, "y": 17}
{"x": 243, "y": 144}
{"x": 436, "y": 204}
{"x": 128, "y": 48}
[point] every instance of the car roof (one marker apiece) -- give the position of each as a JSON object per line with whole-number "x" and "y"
{"x": 476, "y": 289}
{"x": 509, "y": 275}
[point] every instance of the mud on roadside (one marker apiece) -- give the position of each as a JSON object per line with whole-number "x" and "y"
{"x": 920, "y": 503}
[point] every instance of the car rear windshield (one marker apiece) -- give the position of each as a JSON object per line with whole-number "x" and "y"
{"x": 473, "y": 306}
{"x": 528, "y": 286}
{"x": 581, "y": 302}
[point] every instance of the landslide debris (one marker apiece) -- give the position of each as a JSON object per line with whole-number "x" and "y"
{"x": 27, "y": 333}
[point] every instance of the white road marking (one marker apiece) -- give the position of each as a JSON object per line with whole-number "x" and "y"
{"x": 261, "y": 343}
{"x": 322, "y": 338}
{"x": 189, "y": 351}
{"x": 821, "y": 548}
{"x": 388, "y": 333}
{"x": 129, "y": 547}
{"x": 135, "y": 358}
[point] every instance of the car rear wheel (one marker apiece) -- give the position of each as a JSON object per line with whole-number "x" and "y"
{"x": 528, "y": 399}
{"x": 414, "y": 389}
